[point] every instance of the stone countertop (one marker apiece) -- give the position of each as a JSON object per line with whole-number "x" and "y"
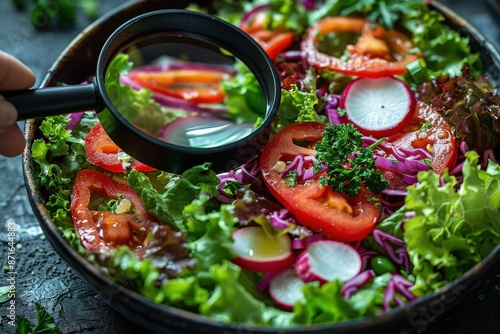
{"x": 44, "y": 278}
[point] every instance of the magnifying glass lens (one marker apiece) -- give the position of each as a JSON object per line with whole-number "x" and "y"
{"x": 173, "y": 89}
{"x": 185, "y": 91}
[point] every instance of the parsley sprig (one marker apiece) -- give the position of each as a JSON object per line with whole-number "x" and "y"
{"x": 44, "y": 14}
{"x": 384, "y": 12}
{"x": 350, "y": 166}
{"x": 44, "y": 323}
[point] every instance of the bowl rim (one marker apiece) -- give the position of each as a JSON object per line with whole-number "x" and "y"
{"x": 93, "y": 277}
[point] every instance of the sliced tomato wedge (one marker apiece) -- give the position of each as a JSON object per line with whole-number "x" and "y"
{"x": 377, "y": 53}
{"x": 195, "y": 85}
{"x": 429, "y": 131}
{"x": 104, "y": 153}
{"x": 318, "y": 207}
{"x": 104, "y": 230}
{"x": 273, "y": 42}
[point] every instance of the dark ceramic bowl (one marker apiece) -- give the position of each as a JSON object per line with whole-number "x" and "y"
{"x": 495, "y": 4}
{"x": 78, "y": 62}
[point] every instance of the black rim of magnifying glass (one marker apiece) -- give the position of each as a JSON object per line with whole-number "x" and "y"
{"x": 166, "y": 156}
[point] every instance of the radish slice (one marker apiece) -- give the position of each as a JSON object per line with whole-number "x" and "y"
{"x": 378, "y": 107}
{"x": 286, "y": 289}
{"x": 203, "y": 132}
{"x": 258, "y": 252}
{"x": 326, "y": 260}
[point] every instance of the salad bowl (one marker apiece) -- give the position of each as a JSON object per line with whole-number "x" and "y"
{"x": 77, "y": 64}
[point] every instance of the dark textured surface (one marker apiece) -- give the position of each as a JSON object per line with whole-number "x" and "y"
{"x": 43, "y": 277}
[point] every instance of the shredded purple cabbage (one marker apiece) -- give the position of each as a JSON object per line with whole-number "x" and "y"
{"x": 397, "y": 285}
{"x": 302, "y": 243}
{"x": 265, "y": 281}
{"x": 248, "y": 15}
{"x": 365, "y": 253}
{"x": 75, "y": 119}
{"x": 246, "y": 174}
{"x": 281, "y": 219}
{"x": 309, "y": 4}
{"x": 352, "y": 285}
{"x": 303, "y": 166}
{"x": 332, "y": 103}
{"x": 397, "y": 254}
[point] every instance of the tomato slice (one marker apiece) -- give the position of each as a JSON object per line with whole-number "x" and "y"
{"x": 335, "y": 215}
{"x": 429, "y": 131}
{"x": 273, "y": 42}
{"x": 104, "y": 153}
{"x": 377, "y": 53}
{"x": 103, "y": 230}
{"x": 195, "y": 85}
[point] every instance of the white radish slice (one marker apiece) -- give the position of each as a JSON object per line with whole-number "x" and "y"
{"x": 327, "y": 260}
{"x": 256, "y": 251}
{"x": 378, "y": 107}
{"x": 286, "y": 289}
{"x": 203, "y": 132}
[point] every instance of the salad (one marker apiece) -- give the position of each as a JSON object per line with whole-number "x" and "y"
{"x": 378, "y": 186}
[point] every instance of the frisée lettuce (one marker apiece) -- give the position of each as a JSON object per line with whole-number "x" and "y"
{"x": 452, "y": 230}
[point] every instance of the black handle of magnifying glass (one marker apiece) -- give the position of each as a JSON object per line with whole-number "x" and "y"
{"x": 50, "y": 101}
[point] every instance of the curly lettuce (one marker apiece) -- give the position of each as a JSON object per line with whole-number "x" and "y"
{"x": 58, "y": 156}
{"x": 452, "y": 230}
{"x": 296, "y": 107}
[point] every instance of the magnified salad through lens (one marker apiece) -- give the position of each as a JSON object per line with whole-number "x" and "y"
{"x": 380, "y": 183}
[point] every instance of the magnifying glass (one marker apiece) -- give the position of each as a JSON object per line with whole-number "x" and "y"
{"x": 173, "y": 89}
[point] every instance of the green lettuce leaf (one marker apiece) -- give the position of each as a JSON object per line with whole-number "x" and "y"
{"x": 168, "y": 204}
{"x": 452, "y": 230}
{"x": 231, "y": 302}
{"x": 144, "y": 276}
{"x": 369, "y": 297}
{"x": 323, "y": 304}
{"x": 296, "y": 107}
{"x": 137, "y": 106}
{"x": 58, "y": 156}
{"x": 445, "y": 50}
{"x": 209, "y": 233}
{"x": 244, "y": 99}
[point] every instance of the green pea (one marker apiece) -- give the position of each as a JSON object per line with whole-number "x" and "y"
{"x": 381, "y": 265}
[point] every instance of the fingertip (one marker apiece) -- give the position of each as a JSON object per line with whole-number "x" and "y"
{"x": 14, "y": 74}
{"x": 12, "y": 142}
{"x": 8, "y": 113}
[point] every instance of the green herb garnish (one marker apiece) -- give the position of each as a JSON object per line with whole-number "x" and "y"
{"x": 349, "y": 164}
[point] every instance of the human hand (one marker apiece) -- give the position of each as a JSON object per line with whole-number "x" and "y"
{"x": 14, "y": 75}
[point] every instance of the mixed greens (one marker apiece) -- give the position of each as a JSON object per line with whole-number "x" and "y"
{"x": 414, "y": 210}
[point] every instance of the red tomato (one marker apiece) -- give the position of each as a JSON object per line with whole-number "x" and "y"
{"x": 429, "y": 131}
{"x": 377, "y": 53}
{"x": 195, "y": 85}
{"x": 335, "y": 215}
{"x": 102, "y": 230}
{"x": 273, "y": 42}
{"x": 104, "y": 153}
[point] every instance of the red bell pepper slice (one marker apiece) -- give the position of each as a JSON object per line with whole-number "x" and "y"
{"x": 104, "y": 230}
{"x": 104, "y": 153}
{"x": 273, "y": 42}
{"x": 318, "y": 207}
{"x": 377, "y": 53}
{"x": 195, "y": 85}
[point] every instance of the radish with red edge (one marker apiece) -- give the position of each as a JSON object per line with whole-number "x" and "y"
{"x": 286, "y": 289}
{"x": 378, "y": 107}
{"x": 203, "y": 132}
{"x": 327, "y": 260}
{"x": 256, "y": 251}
